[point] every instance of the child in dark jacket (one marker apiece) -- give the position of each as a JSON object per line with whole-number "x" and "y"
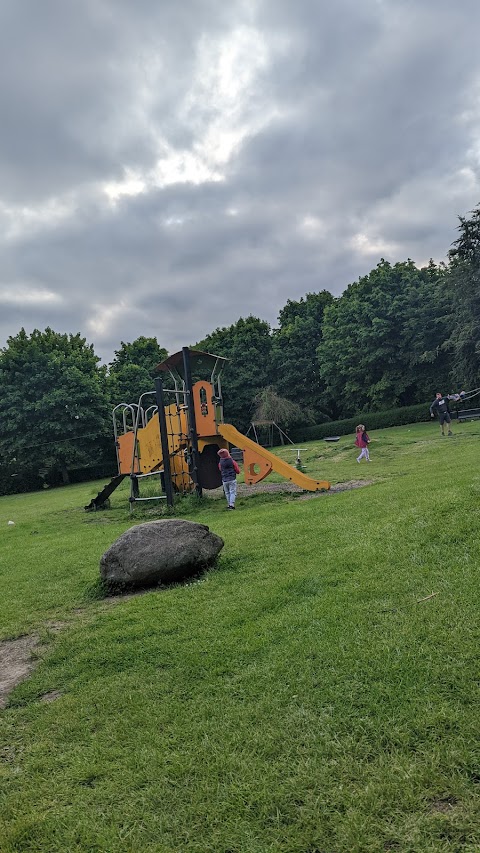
{"x": 229, "y": 470}
{"x": 362, "y": 441}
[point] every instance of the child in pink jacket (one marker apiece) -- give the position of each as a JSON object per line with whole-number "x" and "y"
{"x": 362, "y": 441}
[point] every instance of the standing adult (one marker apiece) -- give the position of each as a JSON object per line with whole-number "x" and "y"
{"x": 440, "y": 407}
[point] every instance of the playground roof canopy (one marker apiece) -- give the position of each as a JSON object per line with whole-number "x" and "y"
{"x": 199, "y": 362}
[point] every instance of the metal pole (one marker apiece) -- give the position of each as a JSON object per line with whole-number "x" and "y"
{"x": 167, "y": 472}
{"x": 192, "y": 424}
{"x": 134, "y": 492}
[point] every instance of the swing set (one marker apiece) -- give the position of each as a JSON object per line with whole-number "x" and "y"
{"x": 467, "y": 414}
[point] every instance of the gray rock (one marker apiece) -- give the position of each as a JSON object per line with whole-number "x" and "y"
{"x": 159, "y": 552}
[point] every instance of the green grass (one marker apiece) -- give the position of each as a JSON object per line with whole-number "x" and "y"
{"x": 300, "y": 698}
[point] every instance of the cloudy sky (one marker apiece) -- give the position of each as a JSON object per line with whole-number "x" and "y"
{"x": 168, "y": 166}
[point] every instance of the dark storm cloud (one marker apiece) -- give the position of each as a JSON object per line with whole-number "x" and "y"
{"x": 356, "y": 136}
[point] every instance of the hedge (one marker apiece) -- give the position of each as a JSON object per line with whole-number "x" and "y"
{"x": 372, "y": 420}
{"x": 15, "y": 482}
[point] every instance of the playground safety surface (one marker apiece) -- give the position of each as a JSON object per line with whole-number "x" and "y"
{"x": 262, "y": 488}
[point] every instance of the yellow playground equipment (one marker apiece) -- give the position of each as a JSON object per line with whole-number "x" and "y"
{"x": 177, "y": 431}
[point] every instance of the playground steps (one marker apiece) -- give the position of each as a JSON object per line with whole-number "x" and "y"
{"x": 103, "y": 496}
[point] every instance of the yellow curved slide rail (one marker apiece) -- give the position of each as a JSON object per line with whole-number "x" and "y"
{"x": 257, "y": 457}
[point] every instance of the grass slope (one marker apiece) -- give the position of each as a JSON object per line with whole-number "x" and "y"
{"x": 301, "y": 698}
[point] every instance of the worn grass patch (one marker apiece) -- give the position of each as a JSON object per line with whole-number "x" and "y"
{"x": 317, "y": 691}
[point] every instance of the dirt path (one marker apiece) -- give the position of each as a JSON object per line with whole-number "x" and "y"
{"x": 259, "y": 488}
{"x": 16, "y": 663}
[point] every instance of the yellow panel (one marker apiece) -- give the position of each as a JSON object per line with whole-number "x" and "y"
{"x": 125, "y": 452}
{"x": 204, "y": 408}
{"x": 255, "y": 468}
{"x": 148, "y": 439}
{"x": 150, "y": 449}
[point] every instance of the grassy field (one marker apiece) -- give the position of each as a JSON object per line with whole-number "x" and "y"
{"x": 317, "y": 692}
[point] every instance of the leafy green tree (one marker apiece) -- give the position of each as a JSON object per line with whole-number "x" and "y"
{"x": 464, "y": 281}
{"x": 247, "y": 344}
{"x": 312, "y": 306}
{"x": 55, "y": 412}
{"x": 382, "y": 339}
{"x": 133, "y": 369}
{"x": 295, "y": 368}
{"x": 428, "y": 355}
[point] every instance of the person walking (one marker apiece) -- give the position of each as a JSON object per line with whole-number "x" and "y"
{"x": 229, "y": 470}
{"x": 440, "y": 407}
{"x": 362, "y": 441}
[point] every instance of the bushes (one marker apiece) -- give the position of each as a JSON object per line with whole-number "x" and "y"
{"x": 372, "y": 420}
{"x": 14, "y": 482}
{"x": 102, "y": 470}
{"x": 15, "y": 479}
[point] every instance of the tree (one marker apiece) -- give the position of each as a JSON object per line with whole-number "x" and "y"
{"x": 55, "y": 413}
{"x": 312, "y": 306}
{"x": 247, "y": 344}
{"x": 295, "y": 368}
{"x": 464, "y": 280}
{"x": 133, "y": 369}
{"x": 382, "y": 338}
{"x": 269, "y": 406}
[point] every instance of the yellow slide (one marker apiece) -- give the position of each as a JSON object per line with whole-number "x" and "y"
{"x": 258, "y": 462}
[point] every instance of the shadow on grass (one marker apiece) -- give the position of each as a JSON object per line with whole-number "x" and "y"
{"x": 100, "y": 590}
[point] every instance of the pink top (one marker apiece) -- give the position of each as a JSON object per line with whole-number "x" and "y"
{"x": 362, "y": 439}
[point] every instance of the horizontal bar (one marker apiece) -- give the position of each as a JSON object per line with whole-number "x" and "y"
{"x": 153, "y": 498}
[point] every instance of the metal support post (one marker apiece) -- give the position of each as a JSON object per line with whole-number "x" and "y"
{"x": 192, "y": 424}
{"x": 164, "y": 441}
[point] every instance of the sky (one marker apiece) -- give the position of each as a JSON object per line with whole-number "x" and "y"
{"x": 168, "y": 167}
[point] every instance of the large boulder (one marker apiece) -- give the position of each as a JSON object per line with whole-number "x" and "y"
{"x": 159, "y": 552}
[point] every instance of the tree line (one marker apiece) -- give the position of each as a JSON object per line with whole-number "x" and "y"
{"x": 391, "y": 339}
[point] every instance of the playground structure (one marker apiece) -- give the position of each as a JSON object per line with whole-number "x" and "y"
{"x": 176, "y": 432}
